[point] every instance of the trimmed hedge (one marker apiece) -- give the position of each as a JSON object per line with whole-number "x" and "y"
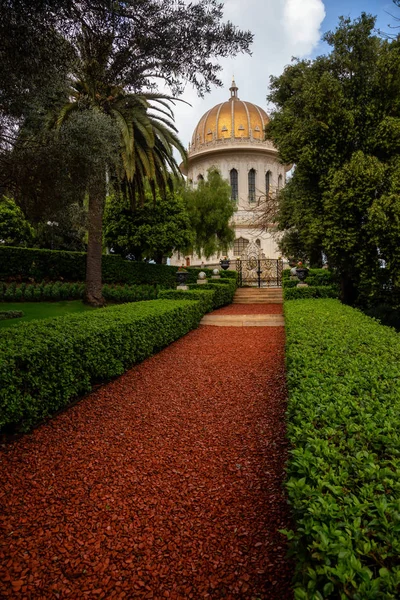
{"x": 39, "y": 292}
{"x": 10, "y": 314}
{"x": 44, "y": 365}
{"x": 343, "y": 376}
{"x": 205, "y": 297}
{"x": 27, "y": 264}
{"x": 223, "y": 292}
{"x": 216, "y": 293}
{"x": 315, "y": 277}
{"x": 301, "y": 293}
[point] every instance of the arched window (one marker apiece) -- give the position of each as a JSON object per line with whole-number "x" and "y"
{"x": 234, "y": 184}
{"x": 240, "y": 246}
{"x": 280, "y": 182}
{"x": 252, "y": 185}
{"x": 268, "y": 178}
{"x": 200, "y": 177}
{"x": 258, "y": 242}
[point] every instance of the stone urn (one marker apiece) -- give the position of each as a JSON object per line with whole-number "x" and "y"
{"x": 225, "y": 262}
{"x": 181, "y": 276}
{"x": 302, "y": 273}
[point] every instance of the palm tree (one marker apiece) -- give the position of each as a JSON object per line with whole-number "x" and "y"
{"x": 147, "y": 141}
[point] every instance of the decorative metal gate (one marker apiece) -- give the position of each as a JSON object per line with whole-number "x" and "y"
{"x": 257, "y": 271}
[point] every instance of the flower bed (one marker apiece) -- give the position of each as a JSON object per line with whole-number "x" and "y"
{"x": 44, "y": 365}
{"x": 343, "y": 374}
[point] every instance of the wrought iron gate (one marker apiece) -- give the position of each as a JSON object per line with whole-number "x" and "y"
{"x": 260, "y": 272}
{"x": 256, "y": 270}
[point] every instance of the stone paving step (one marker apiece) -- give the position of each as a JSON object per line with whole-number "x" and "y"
{"x": 258, "y": 296}
{"x": 243, "y": 320}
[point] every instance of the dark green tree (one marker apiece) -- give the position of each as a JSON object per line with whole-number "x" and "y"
{"x": 337, "y": 119}
{"x": 210, "y": 210}
{"x": 152, "y": 232}
{"x": 116, "y": 51}
{"x": 15, "y": 230}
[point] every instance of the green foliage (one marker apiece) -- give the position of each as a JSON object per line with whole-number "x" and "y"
{"x": 14, "y": 228}
{"x": 315, "y": 277}
{"x": 210, "y": 210}
{"x": 338, "y": 121}
{"x": 46, "y": 364}
{"x": 10, "y": 314}
{"x": 153, "y": 231}
{"x": 223, "y": 291}
{"x": 319, "y": 291}
{"x": 204, "y": 297}
{"x": 27, "y": 264}
{"x": 213, "y": 295}
{"x": 39, "y": 292}
{"x": 343, "y": 370}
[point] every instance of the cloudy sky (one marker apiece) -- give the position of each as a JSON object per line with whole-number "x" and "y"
{"x": 282, "y": 29}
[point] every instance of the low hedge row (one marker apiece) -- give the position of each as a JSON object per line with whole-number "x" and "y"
{"x": 315, "y": 277}
{"x": 301, "y": 293}
{"x": 343, "y": 375}
{"x": 26, "y": 264}
{"x": 10, "y": 314}
{"x": 212, "y": 295}
{"x": 205, "y": 297}
{"x": 39, "y": 292}
{"x": 46, "y": 364}
{"x": 223, "y": 291}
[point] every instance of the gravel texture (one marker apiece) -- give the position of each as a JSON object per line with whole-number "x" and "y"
{"x": 250, "y": 309}
{"x": 166, "y": 483}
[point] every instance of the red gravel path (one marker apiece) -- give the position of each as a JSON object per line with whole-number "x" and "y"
{"x": 250, "y": 309}
{"x": 165, "y": 483}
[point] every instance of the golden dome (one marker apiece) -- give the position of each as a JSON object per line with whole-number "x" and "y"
{"x": 232, "y": 119}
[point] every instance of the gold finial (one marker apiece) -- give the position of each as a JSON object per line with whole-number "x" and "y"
{"x": 233, "y": 89}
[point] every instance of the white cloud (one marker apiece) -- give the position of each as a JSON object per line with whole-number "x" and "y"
{"x": 281, "y": 28}
{"x": 302, "y": 21}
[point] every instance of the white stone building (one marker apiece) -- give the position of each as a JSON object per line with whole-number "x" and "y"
{"x": 230, "y": 137}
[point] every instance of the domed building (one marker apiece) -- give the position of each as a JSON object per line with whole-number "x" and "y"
{"x": 230, "y": 137}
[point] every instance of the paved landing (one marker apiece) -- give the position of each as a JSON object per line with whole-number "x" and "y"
{"x": 244, "y": 320}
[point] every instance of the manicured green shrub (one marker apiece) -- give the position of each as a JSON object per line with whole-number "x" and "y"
{"x": 205, "y": 297}
{"x": 302, "y": 293}
{"x": 223, "y": 292}
{"x": 27, "y": 264}
{"x": 74, "y": 291}
{"x": 315, "y": 277}
{"x": 46, "y": 364}
{"x": 10, "y": 314}
{"x": 343, "y": 375}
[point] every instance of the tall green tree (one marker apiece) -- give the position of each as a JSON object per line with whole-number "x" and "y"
{"x": 210, "y": 210}
{"x": 153, "y": 231}
{"x": 15, "y": 230}
{"x": 116, "y": 53}
{"x": 337, "y": 118}
{"x": 147, "y": 140}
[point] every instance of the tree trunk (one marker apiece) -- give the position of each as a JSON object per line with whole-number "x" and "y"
{"x": 97, "y": 195}
{"x": 348, "y": 293}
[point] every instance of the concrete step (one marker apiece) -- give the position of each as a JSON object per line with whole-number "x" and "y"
{"x": 243, "y": 320}
{"x": 265, "y": 301}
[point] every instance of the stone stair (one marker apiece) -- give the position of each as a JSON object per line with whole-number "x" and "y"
{"x": 243, "y": 320}
{"x": 250, "y": 296}
{"x": 258, "y": 296}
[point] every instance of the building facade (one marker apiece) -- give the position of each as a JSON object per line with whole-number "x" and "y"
{"x": 230, "y": 137}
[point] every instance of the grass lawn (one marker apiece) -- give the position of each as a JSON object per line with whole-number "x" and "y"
{"x": 41, "y": 310}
